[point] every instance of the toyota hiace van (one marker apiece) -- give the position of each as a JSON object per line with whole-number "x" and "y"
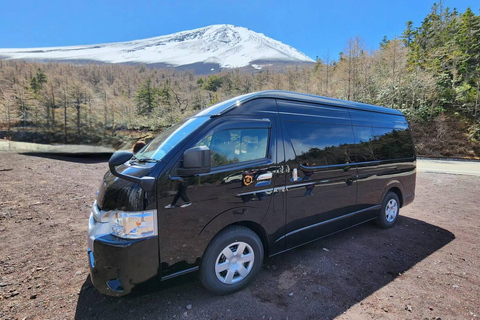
{"x": 253, "y": 176}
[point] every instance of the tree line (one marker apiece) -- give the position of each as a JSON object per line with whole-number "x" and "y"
{"x": 430, "y": 72}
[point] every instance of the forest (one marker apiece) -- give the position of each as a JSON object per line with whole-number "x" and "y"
{"x": 430, "y": 72}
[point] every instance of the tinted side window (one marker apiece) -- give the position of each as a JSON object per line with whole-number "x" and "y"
{"x": 236, "y": 145}
{"x": 364, "y": 144}
{"x": 317, "y": 144}
{"x": 392, "y": 143}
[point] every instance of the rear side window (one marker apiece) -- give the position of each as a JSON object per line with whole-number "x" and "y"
{"x": 236, "y": 145}
{"x": 392, "y": 143}
{"x": 318, "y": 144}
{"x": 364, "y": 148}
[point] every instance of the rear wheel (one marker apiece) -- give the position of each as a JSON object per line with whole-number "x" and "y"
{"x": 389, "y": 210}
{"x": 231, "y": 260}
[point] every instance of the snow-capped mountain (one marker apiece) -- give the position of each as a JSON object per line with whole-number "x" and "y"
{"x": 224, "y": 45}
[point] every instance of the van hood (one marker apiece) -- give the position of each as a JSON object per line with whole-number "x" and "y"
{"x": 117, "y": 193}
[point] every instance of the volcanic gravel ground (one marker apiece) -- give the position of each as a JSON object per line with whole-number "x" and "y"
{"x": 426, "y": 267}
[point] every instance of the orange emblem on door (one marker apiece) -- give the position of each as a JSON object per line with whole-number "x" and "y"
{"x": 247, "y": 180}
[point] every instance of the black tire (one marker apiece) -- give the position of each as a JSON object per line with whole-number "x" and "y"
{"x": 387, "y": 217}
{"x": 229, "y": 241}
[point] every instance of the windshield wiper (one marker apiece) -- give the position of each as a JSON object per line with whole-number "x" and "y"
{"x": 144, "y": 159}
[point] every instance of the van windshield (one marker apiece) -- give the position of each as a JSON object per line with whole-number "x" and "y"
{"x": 168, "y": 139}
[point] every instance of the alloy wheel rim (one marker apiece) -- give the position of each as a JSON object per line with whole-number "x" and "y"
{"x": 234, "y": 262}
{"x": 391, "y": 210}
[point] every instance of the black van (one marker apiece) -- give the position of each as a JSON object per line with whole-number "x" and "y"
{"x": 256, "y": 175}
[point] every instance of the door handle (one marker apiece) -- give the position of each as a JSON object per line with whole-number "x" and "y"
{"x": 265, "y": 176}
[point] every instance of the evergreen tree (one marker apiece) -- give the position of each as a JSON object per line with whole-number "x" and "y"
{"x": 147, "y": 97}
{"x": 408, "y": 34}
{"x": 212, "y": 83}
{"x": 37, "y": 81}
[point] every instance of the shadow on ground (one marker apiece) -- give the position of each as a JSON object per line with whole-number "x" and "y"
{"x": 318, "y": 281}
{"x": 73, "y": 157}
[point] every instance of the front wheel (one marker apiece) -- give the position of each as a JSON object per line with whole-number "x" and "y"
{"x": 231, "y": 260}
{"x": 389, "y": 210}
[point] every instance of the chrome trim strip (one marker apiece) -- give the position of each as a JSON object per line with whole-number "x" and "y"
{"x": 293, "y": 186}
{"x": 393, "y": 161}
{"x": 327, "y": 221}
{"x": 179, "y": 273}
{"x": 279, "y": 189}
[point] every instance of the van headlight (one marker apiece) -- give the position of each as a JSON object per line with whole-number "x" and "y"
{"x": 134, "y": 225}
{"x": 127, "y": 224}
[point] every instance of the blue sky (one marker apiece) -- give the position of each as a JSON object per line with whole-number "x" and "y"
{"x": 316, "y": 28}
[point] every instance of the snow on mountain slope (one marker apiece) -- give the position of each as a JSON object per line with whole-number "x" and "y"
{"x": 226, "y": 45}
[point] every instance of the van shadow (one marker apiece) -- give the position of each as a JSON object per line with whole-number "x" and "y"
{"x": 73, "y": 157}
{"x": 326, "y": 278}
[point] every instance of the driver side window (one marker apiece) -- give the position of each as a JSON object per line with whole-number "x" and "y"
{"x": 236, "y": 145}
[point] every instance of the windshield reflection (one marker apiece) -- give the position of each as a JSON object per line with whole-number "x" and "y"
{"x": 168, "y": 139}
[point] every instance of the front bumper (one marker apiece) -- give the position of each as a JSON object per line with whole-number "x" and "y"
{"x": 118, "y": 265}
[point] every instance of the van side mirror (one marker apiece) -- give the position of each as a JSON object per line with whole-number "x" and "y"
{"x": 196, "y": 160}
{"x": 120, "y": 157}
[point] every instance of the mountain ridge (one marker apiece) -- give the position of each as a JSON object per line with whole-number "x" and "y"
{"x": 225, "y": 45}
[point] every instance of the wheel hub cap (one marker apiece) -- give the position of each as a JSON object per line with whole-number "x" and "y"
{"x": 391, "y": 210}
{"x": 234, "y": 263}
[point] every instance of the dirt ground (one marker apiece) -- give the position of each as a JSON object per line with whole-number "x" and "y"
{"x": 426, "y": 267}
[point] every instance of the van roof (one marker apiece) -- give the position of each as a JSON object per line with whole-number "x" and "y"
{"x": 225, "y": 106}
